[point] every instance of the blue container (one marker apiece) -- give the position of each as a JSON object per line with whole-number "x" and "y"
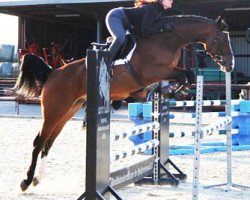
{"x": 245, "y": 106}
{"x": 235, "y": 107}
{"x": 241, "y": 139}
{"x": 147, "y": 110}
{"x": 242, "y": 122}
{"x": 135, "y": 109}
{"x": 239, "y": 120}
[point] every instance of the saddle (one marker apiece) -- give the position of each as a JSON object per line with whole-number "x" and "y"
{"x": 126, "y": 47}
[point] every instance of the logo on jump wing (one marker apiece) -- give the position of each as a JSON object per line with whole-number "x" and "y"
{"x": 103, "y": 81}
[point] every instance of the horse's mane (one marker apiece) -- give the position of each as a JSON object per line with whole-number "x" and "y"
{"x": 169, "y": 22}
{"x": 177, "y": 18}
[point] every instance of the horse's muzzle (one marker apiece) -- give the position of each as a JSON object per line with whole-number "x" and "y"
{"x": 226, "y": 63}
{"x": 225, "y": 68}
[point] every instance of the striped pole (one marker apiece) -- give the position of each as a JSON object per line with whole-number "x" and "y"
{"x": 193, "y": 103}
{"x": 134, "y": 150}
{"x": 204, "y": 115}
{"x": 211, "y": 129}
{"x": 140, "y": 129}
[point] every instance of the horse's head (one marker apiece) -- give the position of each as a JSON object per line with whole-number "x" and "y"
{"x": 191, "y": 28}
{"x": 219, "y": 46}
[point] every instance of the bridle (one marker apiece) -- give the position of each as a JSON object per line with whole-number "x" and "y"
{"x": 217, "y": 57}
{"x": 218, "y": 40}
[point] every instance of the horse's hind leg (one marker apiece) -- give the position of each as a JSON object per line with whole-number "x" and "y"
{"x": 43, "y": 162}
{"x": 38, "y": 144}
{"x": 45, "y": 152}
{"x": 51, "y": 140}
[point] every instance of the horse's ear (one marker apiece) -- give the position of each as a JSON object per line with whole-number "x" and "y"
{"x": 221, "y": 22}
{"x": 220, "y": 19}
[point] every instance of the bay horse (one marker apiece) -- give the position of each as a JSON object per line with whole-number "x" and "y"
{"x": 63, "y": 90}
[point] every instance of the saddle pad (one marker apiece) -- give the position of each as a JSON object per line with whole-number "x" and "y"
{"x": 128, "y": 57}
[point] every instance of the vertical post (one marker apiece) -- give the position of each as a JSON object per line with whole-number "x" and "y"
{"x": 228, "y": 129}
{"x": 199, "y": 98}
{"x": 160, "y": 114}
{"x": 164, "y": 121}
{"x": 156, "y": 133}
{"x": 21, "y": 32}
{"x": 98, "y": 125}
{"x": 99, "y": 29}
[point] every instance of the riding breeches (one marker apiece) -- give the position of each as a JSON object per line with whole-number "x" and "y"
{"x": 117, "y": 24}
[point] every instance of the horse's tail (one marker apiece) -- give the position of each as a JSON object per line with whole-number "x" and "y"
{"x": 33, "y": 75}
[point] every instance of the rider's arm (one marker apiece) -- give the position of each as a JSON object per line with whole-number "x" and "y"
{"x": 151, "y": 14}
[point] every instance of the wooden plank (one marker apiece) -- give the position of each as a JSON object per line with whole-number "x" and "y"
{"x": 133, "y": 173}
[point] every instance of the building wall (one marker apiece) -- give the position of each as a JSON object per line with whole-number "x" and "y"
{"x": 242, "y": 52}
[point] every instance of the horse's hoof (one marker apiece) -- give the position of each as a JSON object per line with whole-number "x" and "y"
{"x": 35, "y": 181}
{"x": 23, "y": 186}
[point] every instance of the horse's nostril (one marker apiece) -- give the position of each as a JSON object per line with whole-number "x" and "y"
{"x": 228, "y": 68}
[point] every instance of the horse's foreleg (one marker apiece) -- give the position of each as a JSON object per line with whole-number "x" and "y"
{"x": 185, "y": 78}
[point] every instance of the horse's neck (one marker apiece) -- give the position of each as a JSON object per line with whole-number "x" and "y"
{"x": 157, "y": 56}
{"x": 196, "y": 31}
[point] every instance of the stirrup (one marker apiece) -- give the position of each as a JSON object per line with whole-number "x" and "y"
{"x": 96, "y": 45}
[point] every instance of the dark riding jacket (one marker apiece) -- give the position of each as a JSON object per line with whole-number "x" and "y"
{"x": 143, "y": 18}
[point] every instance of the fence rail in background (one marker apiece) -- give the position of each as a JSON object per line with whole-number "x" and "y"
{"x": 6, "y": 83}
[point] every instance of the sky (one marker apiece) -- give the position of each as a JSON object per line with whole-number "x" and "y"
{"x": 9, "y": 29}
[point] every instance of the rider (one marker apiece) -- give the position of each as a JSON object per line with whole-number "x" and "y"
{"x": 138, "y": 19}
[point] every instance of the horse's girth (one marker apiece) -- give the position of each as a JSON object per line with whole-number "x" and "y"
{"x": 133, "y": 73}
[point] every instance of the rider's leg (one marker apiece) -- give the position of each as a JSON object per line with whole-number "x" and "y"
{"x": 115, "y": 24}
